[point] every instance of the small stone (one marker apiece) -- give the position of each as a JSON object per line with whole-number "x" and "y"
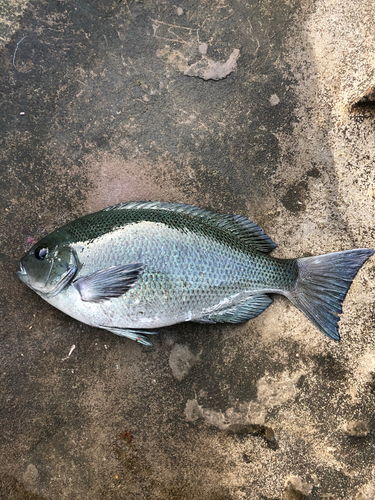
{"x": 180, "y": 11}
{"x": 31, "y": 474}
{"x": 357, "y": 428}
{"x": 181, "y": 360}
{"x": 296, "y": 489}
{"x": 208, "y": 69}
{"x": 203, "y": 48}
{"x": 367, "y": 492}
{"x": 192, "y": 410}
{"x": 169, "y": 339}
{"x": 274, "y": 100}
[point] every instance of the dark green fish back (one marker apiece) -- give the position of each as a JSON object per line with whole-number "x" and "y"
{"x": 232, "y": 230}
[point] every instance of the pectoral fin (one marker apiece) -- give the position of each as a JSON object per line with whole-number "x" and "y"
{"x": 135, "y": 335}
{"x": 108, "y": 283}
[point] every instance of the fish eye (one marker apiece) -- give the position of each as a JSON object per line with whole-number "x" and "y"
{"x": 40, "y": 253}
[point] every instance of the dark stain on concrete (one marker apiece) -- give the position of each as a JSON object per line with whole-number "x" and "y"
{"x": 331, "y": 368}
{"x": 295, "y": 197}
{"x": 12, "y": 489}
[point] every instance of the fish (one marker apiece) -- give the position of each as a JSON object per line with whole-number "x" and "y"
{"x": 135, "y": 267}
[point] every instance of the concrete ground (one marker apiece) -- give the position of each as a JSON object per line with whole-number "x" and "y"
{"x": 263, "y": 108}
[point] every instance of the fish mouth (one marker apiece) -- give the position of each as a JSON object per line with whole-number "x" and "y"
{"x": 22, "y": 272}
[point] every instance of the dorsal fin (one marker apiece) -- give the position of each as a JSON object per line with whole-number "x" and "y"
{"x": 243, "y": 228}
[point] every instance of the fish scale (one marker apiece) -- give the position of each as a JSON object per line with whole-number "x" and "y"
{"x": 144, "y": 265}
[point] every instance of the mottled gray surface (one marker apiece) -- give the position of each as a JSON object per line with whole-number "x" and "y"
{"x": 98, "y": 107}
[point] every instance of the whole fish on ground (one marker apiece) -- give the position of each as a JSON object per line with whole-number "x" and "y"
{"x": 138, "y": 266}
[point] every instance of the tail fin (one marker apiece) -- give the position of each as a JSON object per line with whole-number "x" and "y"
{"x": 322, "y": 285}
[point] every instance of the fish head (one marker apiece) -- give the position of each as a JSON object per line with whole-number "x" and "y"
{"x": 48, "y": 267}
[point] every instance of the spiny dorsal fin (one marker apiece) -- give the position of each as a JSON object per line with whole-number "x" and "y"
{"x": 240, "y": 226}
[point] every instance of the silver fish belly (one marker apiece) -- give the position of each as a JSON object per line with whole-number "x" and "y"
{"x": 185, "y": 278}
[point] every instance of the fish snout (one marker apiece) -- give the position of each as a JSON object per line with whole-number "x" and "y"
{"x": 22, "y": 273}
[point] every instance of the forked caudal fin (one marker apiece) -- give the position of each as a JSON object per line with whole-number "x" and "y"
{"x": 322, "y": 284}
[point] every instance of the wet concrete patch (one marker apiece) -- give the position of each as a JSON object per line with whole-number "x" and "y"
{"x": 12, "y": 489}
{"x": 294, "y": 198}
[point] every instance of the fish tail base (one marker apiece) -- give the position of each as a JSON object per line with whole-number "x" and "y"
{"x": 322, "y": 284}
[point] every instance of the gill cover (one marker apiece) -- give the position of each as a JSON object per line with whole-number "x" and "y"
{"x": 48, "y": 269}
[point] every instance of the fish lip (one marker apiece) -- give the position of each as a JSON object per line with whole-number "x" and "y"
{"x": 22, "y": 271}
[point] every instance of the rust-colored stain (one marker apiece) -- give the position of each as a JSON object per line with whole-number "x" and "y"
{"x": 126, "y": 436}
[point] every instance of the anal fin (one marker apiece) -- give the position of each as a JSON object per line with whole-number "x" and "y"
{"x": 238, "y": 313}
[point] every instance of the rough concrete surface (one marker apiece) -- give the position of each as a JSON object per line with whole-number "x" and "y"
{"x": 105, "y": 102}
